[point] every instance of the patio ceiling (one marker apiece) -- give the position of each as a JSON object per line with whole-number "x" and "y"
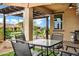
{"x": 29, "y": 5}
{"x": 59, "y": 7}
{"x": 39, "y": 11}
{"x": 53, "y": 8}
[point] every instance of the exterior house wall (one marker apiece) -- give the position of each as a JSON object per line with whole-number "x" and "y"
{"x": 70, "y": 24}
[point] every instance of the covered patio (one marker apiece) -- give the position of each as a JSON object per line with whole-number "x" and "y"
{"x": 66, "y": 13}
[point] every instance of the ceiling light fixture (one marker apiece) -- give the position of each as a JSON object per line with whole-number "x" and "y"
{"x": 71, "y": 6}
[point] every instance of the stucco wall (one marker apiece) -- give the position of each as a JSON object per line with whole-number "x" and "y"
{"x": 70, "y": 23}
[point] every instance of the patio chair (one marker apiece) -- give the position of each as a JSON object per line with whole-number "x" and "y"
{"x": 22, "y": 49}
{"x": 57, "y": 36}
{"x": 22, "y": 37}
{"x": 76, "y": 37}
{"x": 64, "y": 52}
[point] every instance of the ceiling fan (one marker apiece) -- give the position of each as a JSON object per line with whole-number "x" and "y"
{"x": 76, "y": 6}
{"x": 71, "y": 5}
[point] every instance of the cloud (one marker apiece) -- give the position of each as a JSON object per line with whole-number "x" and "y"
{"x": 7, "y": 20}
{"x": 13, "y": 21}
{"x": 38, "y": 22}
{"x": 1, "y": 20}
{"x": 20, "y": 20}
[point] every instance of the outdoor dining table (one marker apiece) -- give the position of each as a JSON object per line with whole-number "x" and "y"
{"x": 46, "y": 43}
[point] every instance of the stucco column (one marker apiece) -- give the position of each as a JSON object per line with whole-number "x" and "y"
{"x": 28, "y": 23}
{"x": 51, "y": 24}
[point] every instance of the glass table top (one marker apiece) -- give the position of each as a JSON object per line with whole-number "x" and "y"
{"x": 44, "y": 42}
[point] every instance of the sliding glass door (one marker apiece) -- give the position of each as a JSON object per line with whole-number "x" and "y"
{"x": 40, "y": 28}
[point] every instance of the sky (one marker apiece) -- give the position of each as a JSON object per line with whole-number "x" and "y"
{"x": 15, "y": 19}
{"x": 2, "y": 6}
{"x": 11, "y": 19}
{"x": 42, "y": 22}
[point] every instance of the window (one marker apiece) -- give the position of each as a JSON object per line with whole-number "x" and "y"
{"x": 58, "y": 21}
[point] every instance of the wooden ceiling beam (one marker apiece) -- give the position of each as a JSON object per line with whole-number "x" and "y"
{"x": 15, "y": 13}
{"x": 48, "y": 9}
{"x": 28, "y": 5}
{"x": 17, "y": 4}
{"x": 41, "y": 16}
{"x": 15, "y": 8}
{"x": 38, "y": 4}
{"x": 10, "y": 9}
{"x": 37, "y": 11}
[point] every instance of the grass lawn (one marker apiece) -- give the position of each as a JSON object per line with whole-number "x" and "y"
{"x": 8, "y": 54}
{"x": 12, "y": 53}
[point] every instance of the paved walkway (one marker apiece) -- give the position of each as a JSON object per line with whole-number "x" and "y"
{"x": 5, "y": 47}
